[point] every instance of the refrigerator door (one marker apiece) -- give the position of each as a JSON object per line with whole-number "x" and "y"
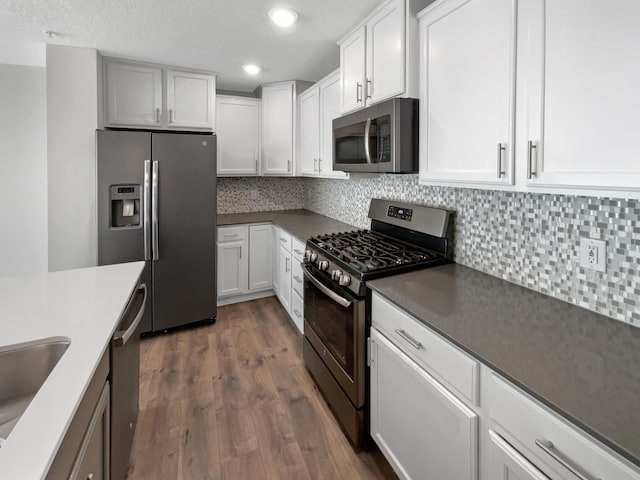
{"x": 184, "y": 287}
{"x": 121, "y": 163}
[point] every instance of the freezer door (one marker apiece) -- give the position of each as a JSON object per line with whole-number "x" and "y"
{"x": 184, "y": 256}
{"x": 121, "y": 157}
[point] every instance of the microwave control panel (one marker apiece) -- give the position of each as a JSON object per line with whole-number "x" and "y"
{"x": 384, "y": 135}
{"x": 400, "y": 213}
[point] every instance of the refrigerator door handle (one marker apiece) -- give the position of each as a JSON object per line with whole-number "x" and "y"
{"x": 146, "y": 199}
{"x": 154, "y": 211}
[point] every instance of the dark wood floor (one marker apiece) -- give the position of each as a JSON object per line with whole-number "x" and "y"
{"x": 233, "y": 400}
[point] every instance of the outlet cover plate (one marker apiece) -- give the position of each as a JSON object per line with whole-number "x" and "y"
{"x": 593, "y": 254}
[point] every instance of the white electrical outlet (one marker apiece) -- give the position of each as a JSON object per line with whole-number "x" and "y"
{"x": 593, "y": 254}
{"x": 253, "y": 194}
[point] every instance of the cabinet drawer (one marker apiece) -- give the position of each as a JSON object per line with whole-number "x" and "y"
{"x": 285, "y": 239}
{"x": 297, "y": 249}
{"x": 530, "y": 427}
{"x": 297, "y": 310}
{"x": 297, "y": 280}
{"x": 442, "y": 359}
{"x": 232, "y": 234}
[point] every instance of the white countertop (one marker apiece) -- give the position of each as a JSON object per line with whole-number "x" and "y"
{"x": 82, "y": 305}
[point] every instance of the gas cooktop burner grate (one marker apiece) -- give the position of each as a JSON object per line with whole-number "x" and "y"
{"x": 368, "y": 251}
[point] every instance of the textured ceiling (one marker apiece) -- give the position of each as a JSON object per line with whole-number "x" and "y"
{"x": 218, "y": 35}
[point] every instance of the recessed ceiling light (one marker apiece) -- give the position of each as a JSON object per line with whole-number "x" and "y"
{"x": 283, "y": 17}
{"x": 251, "y": 69}
{"x": 50, "y": 33}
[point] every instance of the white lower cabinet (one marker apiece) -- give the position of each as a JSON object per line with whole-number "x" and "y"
{"x": 505, "y": 463}
{"x": 297, "y": 309}
{"x": 244, "y": 265}
{"x": 260, "y": 251}
{"x": 284, "y": 282}
{"x": 422, "y": 429}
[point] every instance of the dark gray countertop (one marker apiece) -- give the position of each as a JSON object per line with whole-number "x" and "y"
{"x": 583, "y": 365}
{"x": 302, "y": 224}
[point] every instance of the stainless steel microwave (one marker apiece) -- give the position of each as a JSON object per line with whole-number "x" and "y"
{"x": 382, "y": 138}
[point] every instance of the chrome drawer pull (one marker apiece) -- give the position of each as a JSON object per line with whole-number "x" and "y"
{"x": 297, "y": 251}
{"x": 297, "y": 279}
{"x": 297, "y": 313}
{"x": 412, "y": 341}
{"x": 548, "y": 448}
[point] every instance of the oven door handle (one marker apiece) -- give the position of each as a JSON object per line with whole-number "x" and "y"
{"x": 327, "y": 291}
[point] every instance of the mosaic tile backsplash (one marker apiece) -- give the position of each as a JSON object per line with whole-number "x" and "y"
{"x": 273, "y": 193}
{"x": 529, "y": 239}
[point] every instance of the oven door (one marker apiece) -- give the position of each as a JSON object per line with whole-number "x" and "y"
{"x": 335, "y": 327}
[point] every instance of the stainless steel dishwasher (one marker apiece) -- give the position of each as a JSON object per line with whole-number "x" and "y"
{"x": 125, "y": 381}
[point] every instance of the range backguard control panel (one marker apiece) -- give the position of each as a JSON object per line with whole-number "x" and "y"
{"x": 400, "y": 213}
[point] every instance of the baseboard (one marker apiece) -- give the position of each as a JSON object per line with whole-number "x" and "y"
{"x": 245, "y": 297}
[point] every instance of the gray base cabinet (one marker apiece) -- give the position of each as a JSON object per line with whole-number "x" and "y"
{"x": 84, "y": 451}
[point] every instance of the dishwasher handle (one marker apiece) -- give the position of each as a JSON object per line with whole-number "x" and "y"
{"x": 121, "y": 337}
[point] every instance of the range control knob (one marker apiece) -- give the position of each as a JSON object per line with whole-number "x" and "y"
{"x": 336, "y": 274}
{"x": 313, "y": 257}
{"x": 307, "y": 255}
{"x": 323, "y": 265}
{"x": 344, "y": 280}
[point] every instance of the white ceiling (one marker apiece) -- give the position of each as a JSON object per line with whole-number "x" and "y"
{"x": 218, "y": 35}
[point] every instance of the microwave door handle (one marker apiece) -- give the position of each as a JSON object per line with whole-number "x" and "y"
{"x": 327, "y": 291}
{"x": 367, "y": 150}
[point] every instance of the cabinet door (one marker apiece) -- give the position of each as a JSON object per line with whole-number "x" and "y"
{"x": 238, "y": 132}
{"x": 232, "y": 268}
{"x": 329, "y": 109}
{"x": 284, "y": 283}
{"x": 297, "y": 311}
{"x": 422, "y": 429}
{"x": 190, "y": 100}
{"x": 467, "y": 87}
{"x": 260, "y": 251}
{"x": 276, "y": 259}
{"x": 386, "y": 53}
{"x": 134, "y": 95}
{"x": 505, "y": 463}
{"x": 581, "y": 75}
{"x": 352, "y": 73}
{"x": 92, "y": 461}
{"x": 309, "y": 131}
{"x": 277, "y": 129}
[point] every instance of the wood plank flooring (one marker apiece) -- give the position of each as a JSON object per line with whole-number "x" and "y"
{"x": 234, "y": 401}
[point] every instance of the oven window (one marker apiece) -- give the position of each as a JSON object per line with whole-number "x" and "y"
{"x": 333, "y": 324}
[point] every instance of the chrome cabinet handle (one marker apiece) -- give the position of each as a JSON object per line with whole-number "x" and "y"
{"x": 288, "y": 165}
{"x": 410, "y": 340}
{"x": 240, "y": 252}
{"x": 298, "y": 314}
{"x": 530, "y": 171}
{"x": 154, "y": 210}
{"x": 230, "y": 235}
{"x": 256, "y": 166}
{"x": 171, "y": 115}
{"x": 549, "y": 448}
{"x": 501, "y": 149}
{"x": 297, "y": 251}
{"x": 157, "y": 115}
{"x": 327, "y": 291}
{"x": 367, "y": 151}
{"x": 146, "y": 199}
{"x": 358, "y": 92}
{"x": 368, "y": 88}
{"x": 122, "y": 337}
{"x": 297, "y": 279}
{"x": 319, "y": 165}
{"x": 314, "y": 164}
{"x": 283, "y": 240}
{"x": 286, "y": 264}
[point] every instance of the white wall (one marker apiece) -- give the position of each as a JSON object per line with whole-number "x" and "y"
{"x": 72, "y": 115}
{"x": 23, "y": 170}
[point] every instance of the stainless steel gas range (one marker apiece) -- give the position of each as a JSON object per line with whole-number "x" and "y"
{"x": 403, "y": 237}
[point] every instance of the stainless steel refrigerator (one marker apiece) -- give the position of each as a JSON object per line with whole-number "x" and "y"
{"x": 157, "y": 203}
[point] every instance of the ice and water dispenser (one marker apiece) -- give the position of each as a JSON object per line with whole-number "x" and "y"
{"x": 125, "y": 206}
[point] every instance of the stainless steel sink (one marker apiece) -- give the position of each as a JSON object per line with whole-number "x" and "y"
{"x": 23, "y": 370}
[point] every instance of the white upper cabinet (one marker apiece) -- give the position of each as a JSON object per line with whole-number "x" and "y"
{"x": 579, "y": 103}
{"x": 317, "y": 108}
{"x": 467, "y": 92}
{"x": 238, "y": 132}
{"x": 379, "y": 58}
{"x": 353, "y": 50}
{"x": 385, "y": 53}
{"x": 309, "y": 131}
{"x": 190, "y": 100}
{"x": 277, "y": 128}
{"x": 133, "y": 95}
{"x": 140, "y": 95}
